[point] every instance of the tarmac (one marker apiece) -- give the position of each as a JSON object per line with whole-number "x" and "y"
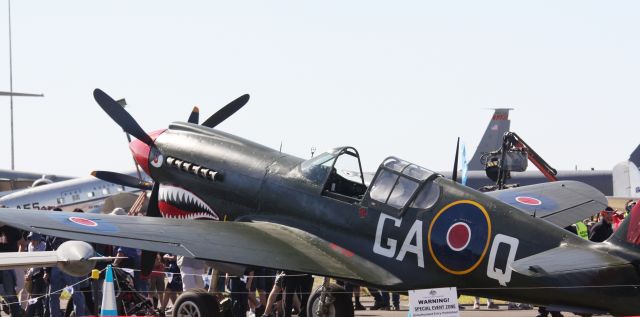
{"x": 502, "y": 311}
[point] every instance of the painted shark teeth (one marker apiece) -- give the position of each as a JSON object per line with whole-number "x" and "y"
{"x": 175, "y": 196}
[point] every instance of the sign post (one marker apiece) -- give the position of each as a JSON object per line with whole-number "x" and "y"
{"x": 440, "y": 302}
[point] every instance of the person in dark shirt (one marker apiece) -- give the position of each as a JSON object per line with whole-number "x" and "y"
{"x": 602, "y": 230}
{"x": 239, "y": 287}
{"x": 9, "y": 239}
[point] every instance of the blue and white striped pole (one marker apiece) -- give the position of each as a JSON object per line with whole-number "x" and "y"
{"x": 109, "y": 307}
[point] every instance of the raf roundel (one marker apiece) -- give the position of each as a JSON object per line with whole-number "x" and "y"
{"x": 459, "y": 236}
{"x": 529, "y": 201}
{"x": 83, "y": 221}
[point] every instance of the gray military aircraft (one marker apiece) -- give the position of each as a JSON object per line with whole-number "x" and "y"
{"x": 410, "y": 228}
{"x": 623, "y": 180}
{"x": 86, "y": 193}
{"x": 14, "y": 180}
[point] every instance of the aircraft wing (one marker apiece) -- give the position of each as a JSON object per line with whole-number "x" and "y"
{"x": 257, "y": 243}
{"x": 10, "y": 260}
{"x": 566, "y": 259}
{"x": 562, "y": 203}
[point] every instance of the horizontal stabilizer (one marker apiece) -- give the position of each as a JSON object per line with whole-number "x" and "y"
{"x": 562, "y": 203}
{"x": 565, "y": 259}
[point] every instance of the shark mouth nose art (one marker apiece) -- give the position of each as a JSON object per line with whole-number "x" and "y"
{"x": 176, "y": 202}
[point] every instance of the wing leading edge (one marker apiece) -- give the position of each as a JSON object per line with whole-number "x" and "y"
{"x": 257, "y": 244}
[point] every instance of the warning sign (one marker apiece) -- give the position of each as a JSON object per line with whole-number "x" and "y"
{"x": 441, "y": 302}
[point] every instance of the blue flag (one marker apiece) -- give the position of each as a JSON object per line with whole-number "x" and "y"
{"x": 464, "y": 164}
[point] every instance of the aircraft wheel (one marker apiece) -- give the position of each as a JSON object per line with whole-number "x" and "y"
{"x": 338, "y": 302}
{"x": 196, "y": 303}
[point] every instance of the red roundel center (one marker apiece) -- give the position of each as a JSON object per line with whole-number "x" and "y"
{"x": 458, "y": 236}
{"x": 528, "y": 201}
{"x": 83, "y": 221}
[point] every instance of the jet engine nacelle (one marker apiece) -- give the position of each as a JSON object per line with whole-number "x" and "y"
{"x": 41, "y": 181}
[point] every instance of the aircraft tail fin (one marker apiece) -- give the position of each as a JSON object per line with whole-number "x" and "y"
{"x": 492, "y": 137}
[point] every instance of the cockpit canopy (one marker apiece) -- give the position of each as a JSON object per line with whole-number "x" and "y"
{"x": 399, "y": 185}
{"x": 338, "y": 172}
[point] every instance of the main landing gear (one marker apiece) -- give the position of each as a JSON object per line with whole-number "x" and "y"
{"x": 196, "y": 303}
{"x": 330, "y": 300}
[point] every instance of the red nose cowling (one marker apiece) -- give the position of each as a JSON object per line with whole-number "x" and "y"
{"x": 141, "y": 151}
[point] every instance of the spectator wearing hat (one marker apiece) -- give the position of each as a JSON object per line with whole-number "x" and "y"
{"x": 602, "y": 230}
{"x": 34, "y": 278}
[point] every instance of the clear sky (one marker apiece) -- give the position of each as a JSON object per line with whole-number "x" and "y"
{"x": 401, "y": 78}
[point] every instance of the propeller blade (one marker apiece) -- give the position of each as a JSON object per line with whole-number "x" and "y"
{"x": 121, "y": 116}
{"x": 226, "y": 111}
{"x": 152, "y": 209}
{"x": 148, "y": 258}
{"x": 454, "y": 175}
{"x": 195, "y": 115}
{"x": 122, "y": 179}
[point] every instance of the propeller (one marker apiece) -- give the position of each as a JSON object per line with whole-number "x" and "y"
{"x": 454, "y": 175}
{"x": 148, "y": 258}
{"x": 195, "y": 115}
{"x": 121, "y": 116}
{"x": 226, "y": 111}
{"x": 122, "y": 179}
{"x": 129, "y": 125}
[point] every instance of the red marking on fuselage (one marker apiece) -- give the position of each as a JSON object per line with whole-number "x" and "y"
{"x": 342, "y": 250}
{"x": 83, "y": 221}
{"x": 528, "y": 201}
{"x": 362, "y": 212}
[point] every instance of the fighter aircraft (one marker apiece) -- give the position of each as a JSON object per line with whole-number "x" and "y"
{"x": 410, "y": 228}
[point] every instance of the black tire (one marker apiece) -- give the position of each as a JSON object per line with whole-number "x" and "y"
{"x": 196, "y": 303}
{"x": 342, "y": 305}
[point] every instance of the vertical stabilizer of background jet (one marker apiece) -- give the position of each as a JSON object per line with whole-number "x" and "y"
{"x": 492, "y": 138}
{"x": 635, "y": 156}
{"x": 626, "y": 180}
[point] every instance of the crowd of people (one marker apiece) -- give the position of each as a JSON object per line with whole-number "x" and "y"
{"x": 36, "y": 291}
